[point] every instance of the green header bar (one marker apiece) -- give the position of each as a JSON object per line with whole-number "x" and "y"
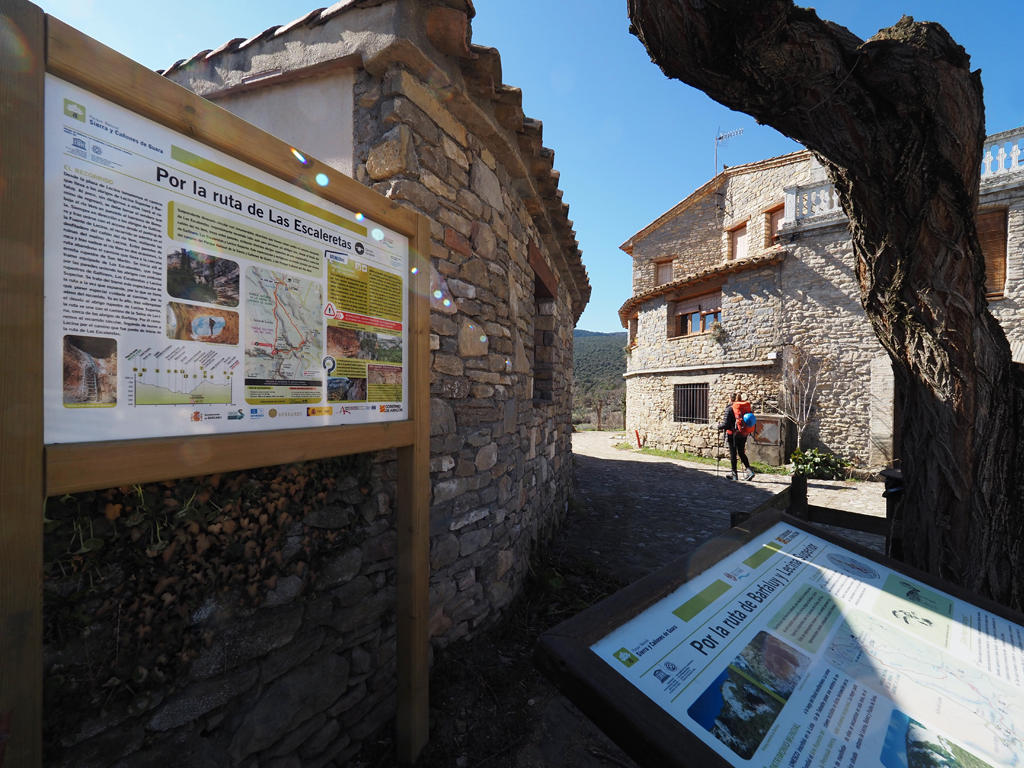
{"x": 702, "y": 600}
{"x": 241, "y": 180}
{"x": 767, "y": 550}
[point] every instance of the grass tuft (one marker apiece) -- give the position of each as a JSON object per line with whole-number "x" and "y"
{"x": 766, "y": 469}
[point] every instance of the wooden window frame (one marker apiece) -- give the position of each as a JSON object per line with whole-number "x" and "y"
{"x": 707, "y": 307}
{"x": 658, "y": 265}
{"x": 771, "y": 237}
{"x": 992, "y": 237}
{"x": 732, "y": 234}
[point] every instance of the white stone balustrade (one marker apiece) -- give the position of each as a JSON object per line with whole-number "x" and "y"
{"x": 810, "y": 202}
{"x": 1002, "y": 154}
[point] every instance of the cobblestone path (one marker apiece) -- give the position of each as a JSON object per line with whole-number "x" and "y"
{"x": 637, "y": 512}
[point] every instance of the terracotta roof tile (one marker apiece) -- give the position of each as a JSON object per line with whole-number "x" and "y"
{"x": 705, "y": 273}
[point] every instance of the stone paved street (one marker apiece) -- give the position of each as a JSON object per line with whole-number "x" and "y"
{"x": 642, "y": 511}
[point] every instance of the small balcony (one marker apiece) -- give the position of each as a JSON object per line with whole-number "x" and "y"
{"x": 818, "y": 204}
{"x": 1001, "y": 157}
{"x": 811, "y": 206}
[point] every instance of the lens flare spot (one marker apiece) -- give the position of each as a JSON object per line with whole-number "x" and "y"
{"x": 376, "y": 234}
{"x": 483, "y": 337}
{"x": 299, "y": 156}
{"x": 321, "y": 179}
{"x": 13, "y": 42}
{"x": 359, "y": 217}
{"x": 415, "y": 270}
{"x": 447, "y": 302}
{"x": 438, "y": 294}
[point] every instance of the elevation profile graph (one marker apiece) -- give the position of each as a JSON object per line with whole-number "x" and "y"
{"x": 171, "y": 380}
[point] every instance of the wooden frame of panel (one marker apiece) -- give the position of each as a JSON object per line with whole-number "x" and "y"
{"x": 31, "y": 471}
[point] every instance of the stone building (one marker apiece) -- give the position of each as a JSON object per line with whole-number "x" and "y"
{"x": 395, "y": 94}
{"x": 758, "y": 261}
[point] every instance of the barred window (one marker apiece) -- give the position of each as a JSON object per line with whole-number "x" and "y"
{"x": 691, "y": 403}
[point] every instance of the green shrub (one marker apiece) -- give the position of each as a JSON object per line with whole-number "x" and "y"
{"x": 819, "y": 465}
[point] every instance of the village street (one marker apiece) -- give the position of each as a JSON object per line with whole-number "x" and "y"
{"x": 641, "y": 512}
{"x": 634, "y": 513}
{"x": 631, "y": 514}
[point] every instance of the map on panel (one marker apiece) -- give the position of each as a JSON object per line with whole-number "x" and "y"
{"x": 284, "y": 337}
{"x": 879, "y": 654}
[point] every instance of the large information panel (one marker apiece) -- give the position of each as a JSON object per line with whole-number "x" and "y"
{"x": 190, "y": 293}
{"x": 796, "y": 651}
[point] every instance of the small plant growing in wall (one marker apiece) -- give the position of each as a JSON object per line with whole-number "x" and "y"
{"x": 718, "y": 333}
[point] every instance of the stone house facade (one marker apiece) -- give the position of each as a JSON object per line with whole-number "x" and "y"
{"x": 758, "y": 261}
{"x": 395, "y": 94}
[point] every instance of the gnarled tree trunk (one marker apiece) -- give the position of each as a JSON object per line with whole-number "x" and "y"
{"x": 898, "y": 122}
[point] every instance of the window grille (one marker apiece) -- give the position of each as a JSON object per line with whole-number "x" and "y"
{"x": 691, "y": 403}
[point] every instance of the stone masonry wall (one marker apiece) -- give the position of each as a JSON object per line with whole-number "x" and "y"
{"x": 499, "y": 457}
{"x": 237, "y": 619}
{"x": 1009, "y": 310}
{"x": 697, "y": 234}
{"x": 823, "y": 315}
{"x": 649, "y": 408}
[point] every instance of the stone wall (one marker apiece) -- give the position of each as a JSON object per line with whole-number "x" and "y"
{"x": 499, "y": 455}
{"x": 649, "y": 408}
{"x": 822, "y": 314}
{"x": 238, "y": 619}
{"x": 278, "y": 641}
{"x": 698, "y": 233}
{"x": 1009, "y": 309}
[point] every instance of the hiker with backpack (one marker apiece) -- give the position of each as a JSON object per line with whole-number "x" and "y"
{"x": 738, "y": 421}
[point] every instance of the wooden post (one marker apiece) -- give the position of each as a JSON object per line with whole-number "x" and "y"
{"x": 22, "y": 57}
{"x": 412, "y": 725}
{"x": 798, "y": 496}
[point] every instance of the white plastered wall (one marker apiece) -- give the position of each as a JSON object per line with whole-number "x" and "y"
{"x": 314, "y": 115}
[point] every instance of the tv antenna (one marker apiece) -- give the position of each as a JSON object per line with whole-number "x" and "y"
{"x": 724, "y": 137}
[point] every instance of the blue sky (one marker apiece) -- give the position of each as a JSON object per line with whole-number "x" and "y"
{"x": 629, "y": 144}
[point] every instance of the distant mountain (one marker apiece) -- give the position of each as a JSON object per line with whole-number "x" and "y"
{"x": 599, "y": 361}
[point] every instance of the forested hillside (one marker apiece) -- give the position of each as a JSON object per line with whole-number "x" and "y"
{"x": 600, "y": 360}
{"x": 598, "y": 387}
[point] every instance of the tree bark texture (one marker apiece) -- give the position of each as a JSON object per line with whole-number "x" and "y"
{"x": 898, "y": 123}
